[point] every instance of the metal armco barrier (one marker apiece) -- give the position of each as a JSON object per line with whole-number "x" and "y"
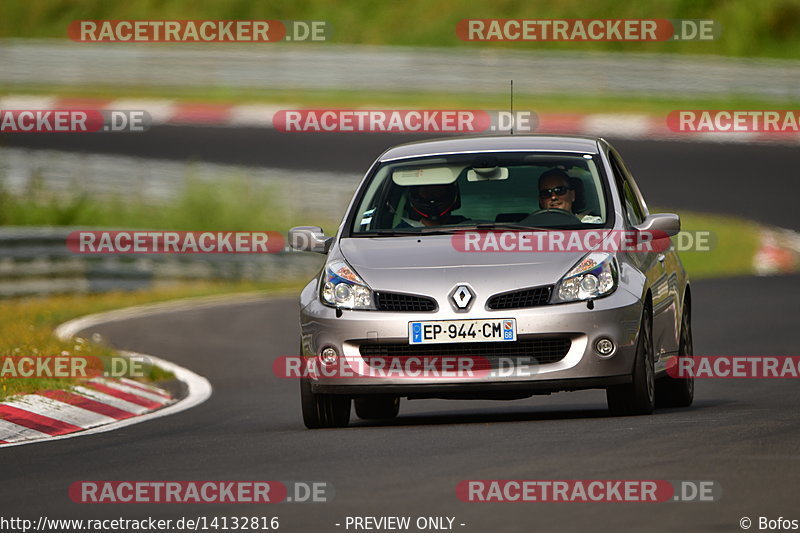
{"x": 36, "y": 261}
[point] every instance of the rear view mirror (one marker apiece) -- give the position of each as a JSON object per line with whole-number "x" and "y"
{"x": 487, "y": 173}
{"x": 309, "y": 239}
{"x": 664, "y": 222}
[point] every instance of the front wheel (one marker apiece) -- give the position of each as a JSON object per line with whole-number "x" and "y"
{"x": 679, "y": 392}
{"x": 637, "y": 397}
{"x": 323, "y": 410}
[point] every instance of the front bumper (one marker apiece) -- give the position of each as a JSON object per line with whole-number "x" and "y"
{"x": 615, "y": 317}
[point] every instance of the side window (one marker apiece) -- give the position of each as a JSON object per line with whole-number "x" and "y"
{"x": 368, "y": 216}
{"x": 633, "y": 209}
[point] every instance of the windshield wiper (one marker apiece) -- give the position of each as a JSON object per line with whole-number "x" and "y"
{"x": 506, "y": 225}
{"x": 448, "y": 230}
{"x": 386, "y": 232}
{"x": 487, "y": 226}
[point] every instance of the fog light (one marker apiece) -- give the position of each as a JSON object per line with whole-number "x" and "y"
{"x": 328, "y": 356}
{"x": 604, "y": 347}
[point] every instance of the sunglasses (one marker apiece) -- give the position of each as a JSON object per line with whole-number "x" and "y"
{"x": 561, "y": 190}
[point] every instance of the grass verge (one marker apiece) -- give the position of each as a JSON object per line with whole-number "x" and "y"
{"x": 27, "y": 325}
{"x": 764, "y": 28}
{"x": 228, "y": 204}
{"x": 733, "y": 245}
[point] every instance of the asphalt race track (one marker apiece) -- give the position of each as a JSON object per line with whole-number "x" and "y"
{"x": 744, "y": 434}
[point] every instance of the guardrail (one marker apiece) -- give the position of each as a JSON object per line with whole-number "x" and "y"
{"x": 36, "y": 261}
{"x": 68, "y": 174}
{"x": 377, "y": 68}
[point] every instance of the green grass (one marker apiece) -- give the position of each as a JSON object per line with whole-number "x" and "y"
{"x": 26, "y": 325}
{"x": 734, "y": 242}
{"x": 764, "y": 28}
{"x": 233, "y": 204}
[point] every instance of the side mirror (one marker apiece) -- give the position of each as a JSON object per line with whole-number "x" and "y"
{"x": 664, "y": 222}
{"x": 309, "y": 239}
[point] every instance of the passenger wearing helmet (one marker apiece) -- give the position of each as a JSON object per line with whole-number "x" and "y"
{"x": 432, "y": 205}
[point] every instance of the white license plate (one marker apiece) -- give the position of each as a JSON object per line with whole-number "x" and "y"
{"x": 440, "y": 331}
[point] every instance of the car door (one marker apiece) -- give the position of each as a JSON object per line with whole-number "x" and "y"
{"x": 658, "y": 266}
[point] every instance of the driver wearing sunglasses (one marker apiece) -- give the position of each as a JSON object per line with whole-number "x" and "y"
{"x": 555, "y": 192}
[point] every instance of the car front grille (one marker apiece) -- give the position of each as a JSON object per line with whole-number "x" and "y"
{"x": 542, "y": 350}
{"x": 392, "y": 301}
{"x": 519, "y": 299}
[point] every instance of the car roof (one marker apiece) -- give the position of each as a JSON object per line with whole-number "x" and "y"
{"x": 494, "y": 143}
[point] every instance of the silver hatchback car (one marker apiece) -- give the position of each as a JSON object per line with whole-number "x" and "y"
{"x": 494, "y": 267}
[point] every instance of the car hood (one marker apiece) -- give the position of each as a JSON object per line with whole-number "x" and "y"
{"x": 431, "y": 265}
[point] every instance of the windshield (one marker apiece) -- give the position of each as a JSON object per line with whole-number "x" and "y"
{"x": 455, "y": 192}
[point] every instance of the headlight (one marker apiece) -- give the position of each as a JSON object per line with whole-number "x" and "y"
{"x": 594, "y": 276}
{"x": 341, "y": 287}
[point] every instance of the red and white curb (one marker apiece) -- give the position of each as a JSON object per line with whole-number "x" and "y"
{"x": 100, "y": 404}
{"x": 778, "y": 252}
{"x": 173, "y": 112}
{"x": 95, "y": 403}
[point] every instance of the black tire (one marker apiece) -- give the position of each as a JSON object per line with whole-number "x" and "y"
{"x": 323, "y": 410}
{"x": 637, "y": 397}
{"x": 679, "y": 392}
{"x": 377, "y": 407}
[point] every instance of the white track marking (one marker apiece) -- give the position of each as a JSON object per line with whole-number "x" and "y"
{"x": 146, "y": 387}
{"x": 158, "y": 398}
{"x": 13, "y": 433}
{"x": 61, "y": 411}
{"x": 113, "y": 401}
{"x": 27, "y": 102}
{"x": 160, "y": 111}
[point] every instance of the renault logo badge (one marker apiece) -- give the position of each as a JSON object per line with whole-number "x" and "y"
{"x": 462, "y": 297}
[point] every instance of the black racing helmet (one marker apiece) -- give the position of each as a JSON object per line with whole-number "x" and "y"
{"x": 434, "y": 201}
